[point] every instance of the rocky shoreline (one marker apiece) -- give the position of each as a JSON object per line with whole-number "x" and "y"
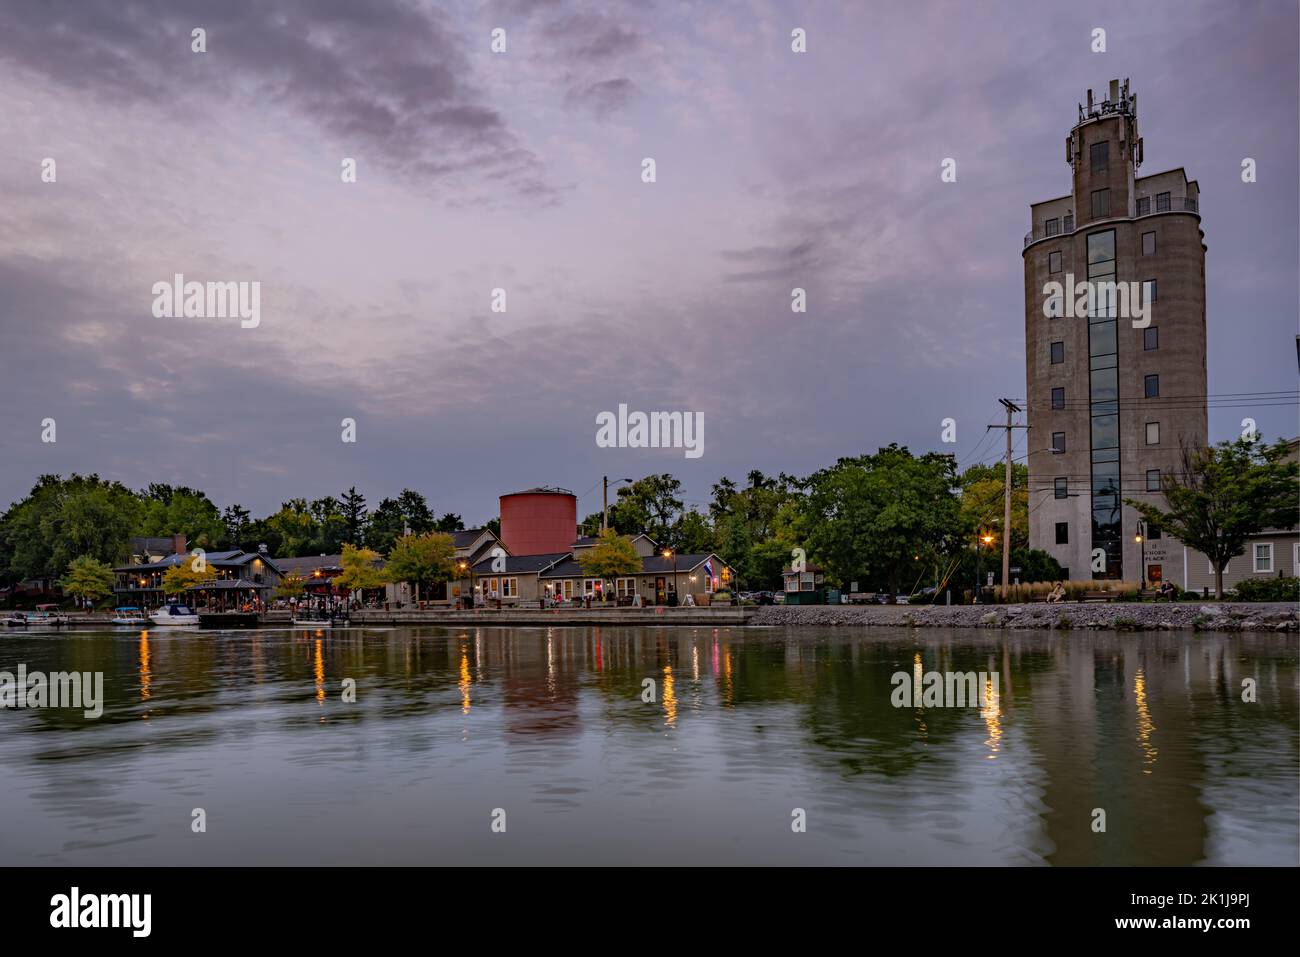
{"x": 1109, "y": 616}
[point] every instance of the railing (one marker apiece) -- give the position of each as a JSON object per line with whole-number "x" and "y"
{"x": 1180, "y": 204}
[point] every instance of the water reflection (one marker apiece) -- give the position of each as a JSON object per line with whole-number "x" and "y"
{"x": 551, "y": 723}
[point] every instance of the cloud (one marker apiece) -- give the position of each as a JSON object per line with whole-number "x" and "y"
{"x": 602, "y": 99}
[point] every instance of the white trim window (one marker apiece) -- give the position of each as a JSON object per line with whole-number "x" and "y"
{"x": 1263, "y": 552}
{"x": 626, "y": 587}
{"x": 510, "y": 588}
{"x": 563, "y": 588}
{"x": 592, "y": 587}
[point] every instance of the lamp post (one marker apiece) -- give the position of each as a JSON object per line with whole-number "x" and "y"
{"x": 986, "y": 539}
{"x": 463, "y": 567}
{"x": 669, "y": 553}
{"x": 1141, "y": 540}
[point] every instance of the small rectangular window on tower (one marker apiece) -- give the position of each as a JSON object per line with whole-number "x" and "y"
{"x": 1058, "y": 441}
{"x": 1058, "y": 353}
{"x": 1148, "y": 243}
{"x": 1053, "y": 227}
{"x": 1153, "y": 433}
{"x": 1150, "y": 338}
{"x": 1063, "y": 533}
{"x": 1100, "y": 203}
{"x": 1152, "y": 386}
{"x": 1153, "y": 480}
{"x": 1058, "y": 398}
{"x": 1144, "y": 206}
{"x": 1054, "y": 262}
{"x": 1061, "y": 488}
{"x": 1099, "y": 157}
{"x": 1162, "y": 202}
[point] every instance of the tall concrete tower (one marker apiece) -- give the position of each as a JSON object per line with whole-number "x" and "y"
{"x": 1112, "y": 396}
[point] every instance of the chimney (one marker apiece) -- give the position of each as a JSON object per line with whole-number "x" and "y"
{"x": 178, "y": 543}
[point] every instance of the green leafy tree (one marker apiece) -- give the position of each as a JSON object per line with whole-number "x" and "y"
{"x": 187, "y": 574}
{"x": 420, "y": 560}
{"x": 295, "y": 527}
{"x": 331, "y": 525}
{"x": 1224, "y": 494}
{"x": 361, "y": 569}
{"x": 168, "y": 510}
{"x": 63, "y": 519}
{"x": 649, "y": 505}
{"x": 884, "y": 517}
{"x": 88, "y": 578}
{"x": 291, "y": 586}
{"x": 450, "y": 522}
{"x": 614, "y": 556}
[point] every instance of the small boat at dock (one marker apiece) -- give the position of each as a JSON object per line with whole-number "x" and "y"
{"x": 174, "y": 614}
{"x": 129, "y": 616}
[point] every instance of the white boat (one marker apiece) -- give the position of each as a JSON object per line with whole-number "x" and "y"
{"x": 314, "y": 622}
{"x": 130, "y": 616}
{"x": 174, "y": 614}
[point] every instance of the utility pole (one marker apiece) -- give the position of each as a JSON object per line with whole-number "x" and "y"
{"x": 1011, "y": 408}
{"x": 604, "y": 495}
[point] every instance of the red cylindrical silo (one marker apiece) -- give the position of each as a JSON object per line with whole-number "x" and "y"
{"x": 538, "y": 521}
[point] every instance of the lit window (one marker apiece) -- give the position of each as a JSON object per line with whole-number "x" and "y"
{"x": 1153, "y": 433}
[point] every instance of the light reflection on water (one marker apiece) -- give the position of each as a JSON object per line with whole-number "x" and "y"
{"x": 745, "y": 725}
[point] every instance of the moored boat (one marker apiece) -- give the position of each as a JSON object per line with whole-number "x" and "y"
{"x": 130, "y": 616}
{"x": 174, "y": 614}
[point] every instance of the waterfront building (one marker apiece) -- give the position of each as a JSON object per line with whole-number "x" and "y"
{"x": 1112, "y": 396}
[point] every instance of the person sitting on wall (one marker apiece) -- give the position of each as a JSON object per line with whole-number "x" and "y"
{"x": 1167, "y": 590}
{"x": 1057, "y": 593}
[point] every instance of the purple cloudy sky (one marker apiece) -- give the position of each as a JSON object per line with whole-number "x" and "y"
{"x": 522, "y": 171}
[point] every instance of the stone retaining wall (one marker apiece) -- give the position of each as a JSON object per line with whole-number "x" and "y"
{"x": 1113, "y": 616}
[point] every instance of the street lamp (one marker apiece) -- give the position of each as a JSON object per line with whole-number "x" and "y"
{"x": 668, "y": 553}
{"x": 464, "y": 567}
{"x": 1141, "y": 540}
{"x": 979, "y": 580}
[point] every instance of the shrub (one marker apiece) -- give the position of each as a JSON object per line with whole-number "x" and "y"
{"x": 1266, "y": 589}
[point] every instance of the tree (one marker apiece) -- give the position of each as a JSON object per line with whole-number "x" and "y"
{"x": 353, "y": 509}
{"x": 169, "y": 510}
{"x": 648, "y": 505}
{"x": 885, "y": 517}
{"x": 235, "y": 520}
{"x": 423, "y": 559}
{"x": 331, "y": 525}
{"x": 1224, "y": 494}
{"x": 295, "y": 527}
{"x": 419, "y": 518}
{"x": 63, "y": 519}
{"x": 983, "y": 500}
{"x": 187, "y": 574}
{"x": 450, "y": 522}
{"x": 360, "y": 569}
{"x": 614, "y": 556}
{"x": 291, "y": 586}
{"x": 88, "y": 578}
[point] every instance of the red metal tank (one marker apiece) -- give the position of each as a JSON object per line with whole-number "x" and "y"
{"x": 539, "y": 521}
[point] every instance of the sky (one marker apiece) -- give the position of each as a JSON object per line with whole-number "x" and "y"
{"x": 522, "y": 171}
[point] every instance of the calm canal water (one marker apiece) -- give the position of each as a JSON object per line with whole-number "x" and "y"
{"x": 748, "y": 724}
